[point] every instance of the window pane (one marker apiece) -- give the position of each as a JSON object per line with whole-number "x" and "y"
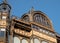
{"x": 44, "y": 42}
{"x": 16, "y": 40}
{"x": 24, "y": 41}
{"x": 26, "y": 18}
{"x": 1, "y": 33}
{"x": 36, "y": 41}
{"x": 37, "y": 18}
{"x": 41, "y": 19}
{"x": 35, "y": 27}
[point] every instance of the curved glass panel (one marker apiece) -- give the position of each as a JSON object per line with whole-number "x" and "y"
{"x": 36, "y": 41}
{"x": 37, "y": 18}
{"x": 16, "y": 40}
{"x": 41, "y": 19}
{"x": 24, "y": 41}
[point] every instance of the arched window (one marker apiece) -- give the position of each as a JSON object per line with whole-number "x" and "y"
{"x": 44, "y": 42}
{"x": 36, "y": 41}
{"x": 16, "y": 40}
{"x": 26, "y": 18}
{"x": 24, "y": 41}
{"x": 39, "y": 18}
{"x": 36, "y": 18}
{"x": 2, "y": 33}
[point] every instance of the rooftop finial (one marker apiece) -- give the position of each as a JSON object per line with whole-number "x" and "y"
{"x": 31, "y": 10}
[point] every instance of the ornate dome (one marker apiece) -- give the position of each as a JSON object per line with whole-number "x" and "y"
{"x": 38, "y": 18}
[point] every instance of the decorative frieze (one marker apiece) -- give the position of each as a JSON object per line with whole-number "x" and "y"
{"x": 21, "y": 32}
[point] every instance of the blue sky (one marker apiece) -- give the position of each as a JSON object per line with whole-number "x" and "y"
{"x": 50, "y": 7}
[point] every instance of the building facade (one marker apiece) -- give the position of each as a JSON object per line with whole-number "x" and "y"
{"x": 32, "y": 27}
{"x": 58, "y": 38}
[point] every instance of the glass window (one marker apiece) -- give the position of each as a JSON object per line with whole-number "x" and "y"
{"x": 3, "y": 17}
{"x": 26, "y": 18}
{"x": 36, "y": 41}
{"x": 16, "y": 40}
{"x": 35, "y": 27}
{"x": 24, "y": 41}
{"x": 44, "y": 42}
{"x": 48, "y": 24}
{"x": 37, "y": 18}
{"x": 32, "y": 26}
{"x": 2, "y": 33}
{"x": 41, "y": 19}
